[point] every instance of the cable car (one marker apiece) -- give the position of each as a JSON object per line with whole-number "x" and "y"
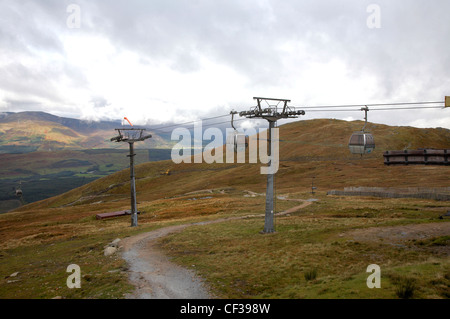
{"x": 362, "y": 142}
{"x": 19, "y": 192}
{"x": 238, "y": 141}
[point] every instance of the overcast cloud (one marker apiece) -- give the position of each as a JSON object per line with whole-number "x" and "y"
{"x": 161, "y": 60}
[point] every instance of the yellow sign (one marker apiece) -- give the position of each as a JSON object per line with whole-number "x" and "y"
{"x": 447, "y": 101}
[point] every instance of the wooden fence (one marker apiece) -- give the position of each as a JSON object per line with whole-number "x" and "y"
{"x": 421, "y": 156}
{"x": 442, "y": 193}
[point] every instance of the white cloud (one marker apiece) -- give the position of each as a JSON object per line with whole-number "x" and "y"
{"x": 163, "y": 61}
{"x": 440, "y": 122}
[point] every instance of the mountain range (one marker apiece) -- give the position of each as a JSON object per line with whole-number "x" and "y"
{"x": 25, "y": 132}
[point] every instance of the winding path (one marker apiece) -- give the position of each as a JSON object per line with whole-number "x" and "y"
{"x": 156, "y": 277}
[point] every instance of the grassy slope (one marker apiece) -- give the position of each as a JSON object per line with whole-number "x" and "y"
{"x": 243, "y": 267}
{"x": 241, "y": 263}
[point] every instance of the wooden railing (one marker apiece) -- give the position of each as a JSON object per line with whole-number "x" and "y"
{"x": 421, "y": 156}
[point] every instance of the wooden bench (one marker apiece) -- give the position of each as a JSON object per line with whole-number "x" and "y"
{"x": 114, "y": 214}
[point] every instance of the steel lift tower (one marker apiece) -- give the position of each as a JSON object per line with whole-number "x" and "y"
{"x": 131, "y": 135}
{"x": 276, "y": 109}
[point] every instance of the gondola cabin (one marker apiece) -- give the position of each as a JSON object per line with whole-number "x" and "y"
{"x": 19, "y": 192}
{"x": 361, "y": 143}
{"x": 237, "y": 141}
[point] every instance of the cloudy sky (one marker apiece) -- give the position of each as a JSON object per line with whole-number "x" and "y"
{"x": 157, "y": 61}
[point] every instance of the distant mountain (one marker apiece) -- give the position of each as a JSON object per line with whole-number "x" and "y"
{"x": 25, "y": 132}
{"x": 75, "y": 124}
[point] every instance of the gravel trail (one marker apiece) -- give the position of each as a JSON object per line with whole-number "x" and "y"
{"x": 156, "y": 277}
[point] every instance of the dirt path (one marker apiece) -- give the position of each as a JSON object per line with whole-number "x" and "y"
{"x": 156, "y": 277}
{"x": 295, "y": 208}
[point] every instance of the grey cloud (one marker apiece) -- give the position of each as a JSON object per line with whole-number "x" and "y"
{"x": 99, "y": 101}
{"x": 230, "y": 32}
{"x": 39, "y": 81}
{"x": 248, "y": 36}
{"x": 28, "y": 29}
{"x": 22, "y": 105}
{"x": 18, "y": 78}
{"x": 29, "y": 25}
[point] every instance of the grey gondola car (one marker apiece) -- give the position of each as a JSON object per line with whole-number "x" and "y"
{"x": 238, "y": 141}
{"x": 361, "y": 143}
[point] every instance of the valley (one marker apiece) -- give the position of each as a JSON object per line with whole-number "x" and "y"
{"x": 46, "y": 155}
{"x": 42, "y": 175}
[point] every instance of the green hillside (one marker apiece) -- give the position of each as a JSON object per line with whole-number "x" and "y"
{"x": 328, "y": 237}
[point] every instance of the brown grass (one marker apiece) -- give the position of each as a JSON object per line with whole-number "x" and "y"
{"x": 233, "y": 256}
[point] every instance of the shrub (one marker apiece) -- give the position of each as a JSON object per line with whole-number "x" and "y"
{"x": 311, "y": 274}
{"x": 405, "y": 288}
